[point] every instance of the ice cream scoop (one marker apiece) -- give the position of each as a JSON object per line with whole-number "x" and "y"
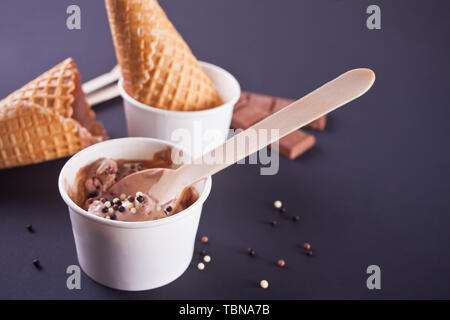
{"x": 166, "y": 185}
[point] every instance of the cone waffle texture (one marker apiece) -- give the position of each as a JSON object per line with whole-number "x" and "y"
{"x": 36, "y": 121}
{"x": 158, "y": 67}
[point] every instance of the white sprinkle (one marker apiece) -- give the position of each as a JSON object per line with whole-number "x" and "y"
{"x": 278, "y": 204}
{"x": 107, "y": 217}
{"x": 123, "y": 196}
{"x": 264, "y": 284}
{"x": 107, "y": 204}
{"x": 201, "y": 266}
{"x": 133, "y": 210}
{"x": 139, "y": 194}
{"x": 111, "y": 210}
{"x": 207, "y": 259}
{"x": 130, "y": 205}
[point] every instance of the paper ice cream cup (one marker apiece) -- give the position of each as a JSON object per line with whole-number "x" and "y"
{"x": 194, "y": 131}
{"x": 130, "y": 256}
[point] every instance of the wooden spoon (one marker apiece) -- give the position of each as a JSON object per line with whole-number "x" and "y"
{"x": 166, "y": 185}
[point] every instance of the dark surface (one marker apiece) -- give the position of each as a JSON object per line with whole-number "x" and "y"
{"x": 375, "y": 189}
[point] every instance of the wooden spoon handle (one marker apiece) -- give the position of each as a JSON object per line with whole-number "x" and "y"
{"x": 323, "y": 100}
{"x": 101, "y": 81}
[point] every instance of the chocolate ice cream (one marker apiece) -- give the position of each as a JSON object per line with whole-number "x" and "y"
{"x": 96, "y": 179}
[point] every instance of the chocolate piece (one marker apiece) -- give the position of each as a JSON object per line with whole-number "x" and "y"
{"x": 257, "y": 108}
{"x": 121, "y": 208}
{"x": 30, "y": 228}
{"x": 93, "y": 194}
{"x": 251, "y": 252}
{"x": 295, "y": 144}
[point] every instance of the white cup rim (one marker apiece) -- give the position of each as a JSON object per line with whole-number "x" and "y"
{"x": 127, "y": 224}
{"x": 187, "y": 114}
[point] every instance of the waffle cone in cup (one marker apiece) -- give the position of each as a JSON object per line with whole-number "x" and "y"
{"x": 158, "y": 67}
{"x": 46, "y": 119}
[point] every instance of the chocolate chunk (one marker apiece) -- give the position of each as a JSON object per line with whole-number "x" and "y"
{"x": 140, "y": 198}
{"x": 93, "y": 194}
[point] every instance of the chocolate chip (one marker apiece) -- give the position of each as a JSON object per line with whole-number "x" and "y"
{"x": 116, "y": 207}
{"x": 140, "y": 198}
{"x": 131, "y": 199}
{"x": 37, "y": 264}
{"x": 169, "y": 208}
{"x": 203, "y": 252}
{"x": 121, "y": 208}
{"x": 30, "y": 228}
{"x": 93, "y": 194}
{"x": 105, "y": 210}
{"x": 118, "y": 202}
{"x": 113, "y": 216}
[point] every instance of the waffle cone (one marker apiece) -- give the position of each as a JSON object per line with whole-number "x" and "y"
{"x": 47, "y": 119}
{"x": 158, "y": 67}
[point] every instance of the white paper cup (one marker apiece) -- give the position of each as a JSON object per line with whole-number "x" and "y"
{"x": 130, "y": 255}
{"x": 194, "y": 131}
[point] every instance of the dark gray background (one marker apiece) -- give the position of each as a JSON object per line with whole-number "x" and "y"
{"x": 375, "y": 189}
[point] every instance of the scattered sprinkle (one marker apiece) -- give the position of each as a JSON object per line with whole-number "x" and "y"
{"x": 203, "y": 252}
{"x": 130, "y": 205}
{"x": 296, "y": 218}
{"x": 104, "y": 209}
{"x": 264, "y": 284}
{"x": 103, "y": 200}
{"x": 133, "y": 210}
{"x": 169, "y": 209}
{"x": 307, "y": 246}
{"x": 30, "y": 228}
{"x": 283, "y": 210}
{"x": 111, "y": 210}
{"x": 107, "y": 217}
{"x": 108, "y": 204}
{"x": 139, "y": 194}
{"x": 113, "y": 216}
{"x": 158, "y": 208}
{"x": 201, "y": 266}
{"x": 278, "y": 204}
{"x": 37, "y": 264}
{"x": 131, "y": 199}
{"x": 123, "y": 196}
{"x": 251, "y": 252}
{"x": 207, "y": 259}
{"x": 205, "y": 239}
{"x": 309, "y": 253}
{"x": 116, "y": 200}
{"x": 121, "y": 208}
{"x": 273, "y": 223}
{"x": 140, "y": 198}
{"x": 281, "y": 263}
